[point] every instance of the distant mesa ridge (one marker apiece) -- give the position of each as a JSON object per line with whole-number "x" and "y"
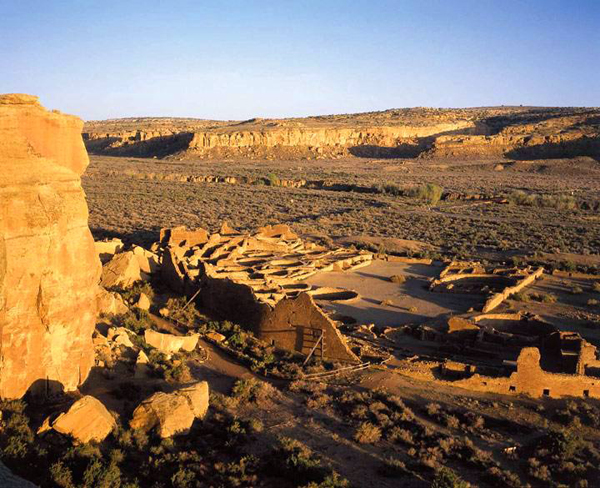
{"x": 513, "y": 132}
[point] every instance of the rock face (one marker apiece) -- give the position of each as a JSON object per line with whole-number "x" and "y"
{"x": 87, "y": 420}
{"x": 513, "y": 132}
{"x": 49, "y": 268}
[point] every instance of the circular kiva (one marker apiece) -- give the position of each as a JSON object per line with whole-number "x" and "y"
{"x": 334, "y": 294}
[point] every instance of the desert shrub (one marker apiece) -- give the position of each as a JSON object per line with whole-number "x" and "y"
{"x": 173, "y": 370}
{"x": 251, "y": 390}
{"x": 240, "y": 473}
{"x": 273, "y": 180}
{"x": 576, "y": 290}
{"x": 397, "y": 279}
{"x": 136, "y": 320}
{"x": 392, "y": 468}
{"x": 182, "y": 312}
{"x": 596, "y": 286}
{"x": 427, "y": 192}
{"x": 133, "y": 293}
{"x": 367, "y": 433}
{"x": 17, "y": 438}
{"x": 397, "y": 434}
{"x": 332, "y": 480}
{"x": 61, "y": 475}
{"x": 592, "y": 302}
{"x": 295, "y": 461}
{"x": 446, "y": 478}
{"x": 559, "y": 202}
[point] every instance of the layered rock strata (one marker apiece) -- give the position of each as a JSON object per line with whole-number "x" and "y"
{"x": 49, "y": 269}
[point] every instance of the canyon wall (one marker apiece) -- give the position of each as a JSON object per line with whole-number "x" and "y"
{"x": 48, "y": 266}
{"x": 512, "y": 132}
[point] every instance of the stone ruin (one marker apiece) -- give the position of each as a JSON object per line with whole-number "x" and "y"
{"x": 496, "y": 284}
{"x": 255, "y": 279}
{"x": 49, "y": 269}
{"x": 509, "y": 353}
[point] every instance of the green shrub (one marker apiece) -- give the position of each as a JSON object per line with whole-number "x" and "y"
{"x": 273, "y": 180}
{"x": 446, "y": 478}
{"x": 179, "y": 312}
{"x": 428, "y": 192}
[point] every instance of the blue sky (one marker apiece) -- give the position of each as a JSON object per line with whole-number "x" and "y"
{"x": 238, "y": 59}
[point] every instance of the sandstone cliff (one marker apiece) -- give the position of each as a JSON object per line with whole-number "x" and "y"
{"x": 515, "y": 132}
{"x": 48, "y": 266}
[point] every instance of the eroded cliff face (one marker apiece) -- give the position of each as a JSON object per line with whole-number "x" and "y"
{"x": 48, "y": 266}
{"x": 514, "y": 132}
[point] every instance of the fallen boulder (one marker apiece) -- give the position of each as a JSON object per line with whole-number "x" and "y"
{"x": 110, "y": 303}
{"x": 143, "y": 302}
{"x": 172, "y": 413}
{"x": 123, "y": 270}
{"x": 147, "y": 260}
{"x": 108, "y": 248}
{"x": 87, "y": 420}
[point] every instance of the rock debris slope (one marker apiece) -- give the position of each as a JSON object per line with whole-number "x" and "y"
{"x": 49, "y": 269}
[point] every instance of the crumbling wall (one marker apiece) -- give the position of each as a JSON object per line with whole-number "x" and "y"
{"x": 297, "y": 323}
{"x": 498, "y": 298}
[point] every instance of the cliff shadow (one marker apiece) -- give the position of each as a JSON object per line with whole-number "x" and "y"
{"x": 584, "y": 146}
{"x": 158, "y": 147}
{"x": 408, "y": 151}
{"x": 138, "y": 236}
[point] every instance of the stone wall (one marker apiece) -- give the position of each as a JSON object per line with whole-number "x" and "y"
{"x": 49, "y": 269}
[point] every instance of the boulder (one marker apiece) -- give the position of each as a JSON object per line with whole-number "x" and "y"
{"x": 172, "y": 413}
{"x": 108, "y": 248}
{"x": 143, "y": 302}
{"x": 215, "y": 336}
{"x": 110, "y": 303}
{"x": 87, "y": 420}
{"x": 119, "y": 336}
{"x": 197, "y": 396}
{"x": 123, "y": 270}
{"x": 141, "y": 365}
{"x": 147, "y": 260}
{"x": 49, "y": 268}
{"x": 169, "y": 343}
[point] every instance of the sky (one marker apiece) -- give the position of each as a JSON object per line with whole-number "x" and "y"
{"x": 238, "y": 59}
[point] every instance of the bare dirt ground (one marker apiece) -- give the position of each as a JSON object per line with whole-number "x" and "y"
{"x": 126, "y": 205}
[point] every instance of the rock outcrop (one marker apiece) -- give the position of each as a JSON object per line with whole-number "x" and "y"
{"x": 49, "y": 268}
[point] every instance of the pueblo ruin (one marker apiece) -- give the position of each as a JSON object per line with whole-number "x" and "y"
{"x": 177, "y": 333}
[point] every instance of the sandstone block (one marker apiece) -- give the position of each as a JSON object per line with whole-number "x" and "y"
{"x": 143, "y": 302}
{"x": 110, "y": 303}
{"x": 197, "y": 396}
{"x": 170, "y": 414}
{"x": 147, "y": 260}
{"x": 108, "y": 248}
{"x": 169, "y": 343}
{"x": 215, "y": 336}
{"x": 123, "y": 270}
{"x": 87, "y": 420}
